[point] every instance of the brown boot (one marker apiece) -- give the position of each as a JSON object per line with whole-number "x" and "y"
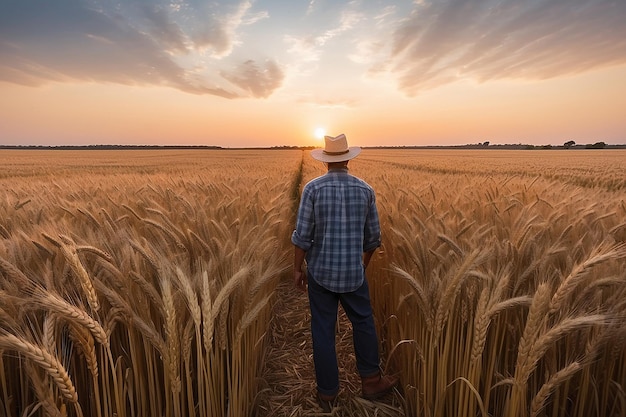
{"x": 326, "y": 402}
{"x": 375, "y": 386}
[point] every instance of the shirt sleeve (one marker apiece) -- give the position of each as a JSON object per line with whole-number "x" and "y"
{"x": 302, "y": 236}
{"x": 371, "y": 235}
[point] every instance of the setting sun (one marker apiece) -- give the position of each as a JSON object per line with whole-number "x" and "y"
{"x": 320, "y": 132}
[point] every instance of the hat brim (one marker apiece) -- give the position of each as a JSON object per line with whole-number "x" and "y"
{"x": 319, "y": 154}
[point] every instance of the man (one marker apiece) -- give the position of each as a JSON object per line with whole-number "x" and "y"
{"x": 337, "y": 231}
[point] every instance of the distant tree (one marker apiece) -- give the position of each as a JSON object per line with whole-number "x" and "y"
{"x": 485, "y": 144}
{"x": 597, "y": 145}
{"x": 569, "y": 144}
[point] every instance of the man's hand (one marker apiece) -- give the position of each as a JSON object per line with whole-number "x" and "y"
{"x": 299, "y": 280}
{"x": 299, "y": 277}
{"x": 367, "y": 257}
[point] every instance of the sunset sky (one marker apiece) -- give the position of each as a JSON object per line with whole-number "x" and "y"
{"x": 264, "y": 73}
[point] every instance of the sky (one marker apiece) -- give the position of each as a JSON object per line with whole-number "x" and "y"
{"x": 272, "y": 73}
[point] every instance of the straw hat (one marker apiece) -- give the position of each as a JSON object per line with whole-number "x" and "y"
{"x": 335, "y": 150}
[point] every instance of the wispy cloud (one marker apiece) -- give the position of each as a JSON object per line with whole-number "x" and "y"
{"x": 310, "y": 46}
{"x": 216, "y": 28}
{"x": 259, "y": 80}
{"x": 197, "y": 46}
{"x": 446, "y": 40}
{"x": 133, "y": 42}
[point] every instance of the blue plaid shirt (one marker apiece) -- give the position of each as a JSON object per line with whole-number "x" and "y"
{"x": 337, "y": 221}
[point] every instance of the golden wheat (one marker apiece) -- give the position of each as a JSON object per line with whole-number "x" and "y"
{"x": 498, "y": 289}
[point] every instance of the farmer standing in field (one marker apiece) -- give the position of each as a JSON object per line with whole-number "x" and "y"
{"x": 337, "y": 231}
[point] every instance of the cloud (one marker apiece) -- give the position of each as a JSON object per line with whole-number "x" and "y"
{"x": 132, "y": 43}
{"x": 443, "y": 41}
{"x": 217, "y": 28}
{"x": 259, "y": 80}
{"x": 310, "y": 47}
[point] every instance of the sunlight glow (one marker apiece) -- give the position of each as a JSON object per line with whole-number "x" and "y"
{"x": 320, "y": 132}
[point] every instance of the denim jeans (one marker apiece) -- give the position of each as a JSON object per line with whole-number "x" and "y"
{"x": 324, "y": 307}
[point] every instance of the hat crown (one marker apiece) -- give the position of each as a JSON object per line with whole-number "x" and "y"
{"x": 335, "y": 145}
{"x": 335, "y": 150}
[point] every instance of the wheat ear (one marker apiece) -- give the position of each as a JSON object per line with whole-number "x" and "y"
{"x": 207, "y": 313}
{"x": 48, "y": 362}
{"x": 74, "y": 314}
{"x": 546, "y": 389}
{"x": 534, "y": 324}
{"x": 546, "y": 340}
{"x": 98, "y": 252}
{"x": 190, "y": 296}
{"x": 166, "y": 231}
{"x": 4, "y": 232}
{"x": 452, "y": 290}
{"x": 172, "y": 334}
{"x": 126, "y": 310}
{"x": 422, "y": 299}
{"x": 250, "y": 316}
{"x": 580, "y": 272}
{"x": 14, "y": 275}
{"x": 453, "y": 245}
{"x": 48, "y": 337}
{"x": 481, "y": 324}
{"x": 222, "y": 338}
{"x": 227, "y": 290}
{"x": 148, "y": 290}
{"x": 43, "y": 391}
{"x": 68, "y": 249}
{"x": 84, "y": 339}
{"x": 148, "y": 257}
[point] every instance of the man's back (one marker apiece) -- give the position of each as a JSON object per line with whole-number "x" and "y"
{"x": 337, "y": 222}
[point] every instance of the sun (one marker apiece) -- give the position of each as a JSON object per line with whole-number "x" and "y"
{"x": 319, "y": 133}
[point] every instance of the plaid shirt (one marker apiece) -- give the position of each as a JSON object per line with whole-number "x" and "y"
{"x": 337, "y": 221}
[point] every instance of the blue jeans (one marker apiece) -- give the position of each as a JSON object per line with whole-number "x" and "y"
{"x": 324, "y": 307}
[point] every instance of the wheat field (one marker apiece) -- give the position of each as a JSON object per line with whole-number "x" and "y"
{"x": 143, "y": 283}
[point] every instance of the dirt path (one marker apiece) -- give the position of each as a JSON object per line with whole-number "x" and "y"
{"x": 288, "y": 379}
